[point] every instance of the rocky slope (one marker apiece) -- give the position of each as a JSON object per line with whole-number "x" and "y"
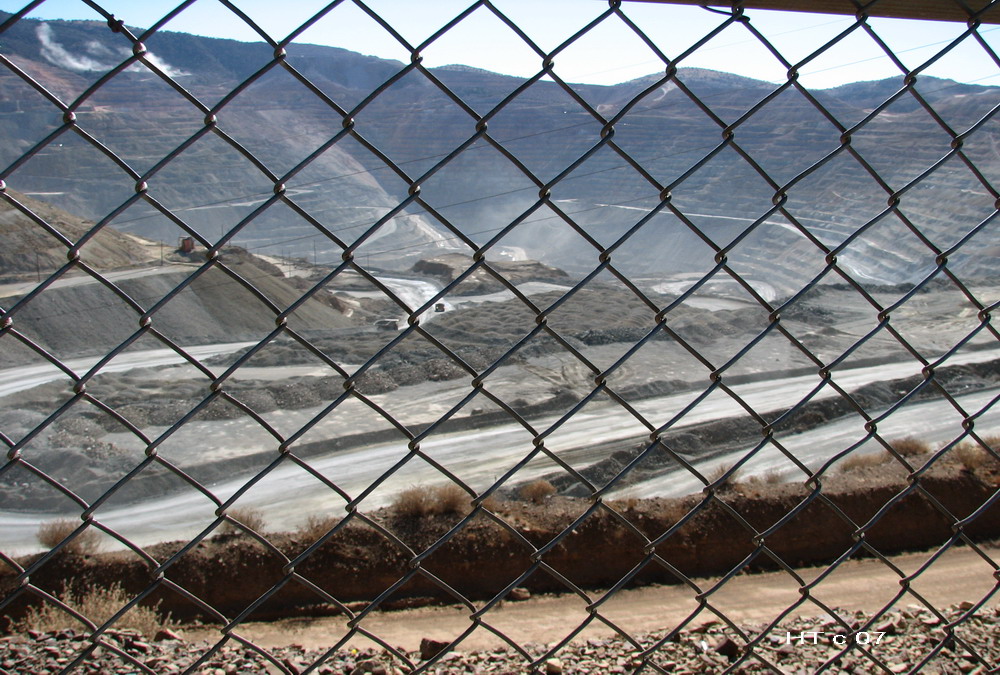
{"x": 26, "y": 247}
{"x": 347, "y": 187}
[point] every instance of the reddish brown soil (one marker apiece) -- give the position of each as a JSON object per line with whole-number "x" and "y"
{"x": 746, "y": 526}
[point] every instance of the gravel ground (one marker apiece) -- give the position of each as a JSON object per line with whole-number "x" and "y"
{"x": 909, "y": 640}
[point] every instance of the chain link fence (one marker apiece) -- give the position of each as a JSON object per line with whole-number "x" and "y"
{"x": 756, "y": 356}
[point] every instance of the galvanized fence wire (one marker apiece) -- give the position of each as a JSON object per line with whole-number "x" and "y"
{"x": 19, "y": 456}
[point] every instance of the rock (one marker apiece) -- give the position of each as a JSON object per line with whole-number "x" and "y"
{"x": 553, "y": 667}
{"x": 431, "y": 648}
{"x": 518, "y": 594}
{"x": 165, "y": 634}
{"x": 728, "y": 648}
{"x": 887, "y": 627}
{"x": 366, "y": 666}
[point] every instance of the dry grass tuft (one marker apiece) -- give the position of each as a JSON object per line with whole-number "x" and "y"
{"x": 450, "y": 498}
{"x": 908, "y": 447}
{"x": 417, "y": 502}
{"x": 716, "y": 474}
{"x": 412, "y": 503}
{"x": 51, "y": 533}
{"x": 537, "y": 491}
{"x": 769, "y": 477}
{"x": 98, "y": 605}
{"x": 773, "y": 477}
{"x": 317, "y": 526}
{"x": 857, "y": 462}
{"x": 493, "y": 503}
{"x": 624, "y": 504}
{"x": 249, "y": 517}
{"x": 971, "y": 456}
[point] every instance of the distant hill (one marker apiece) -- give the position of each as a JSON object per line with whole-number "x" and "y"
{"x": 346, "y": 188}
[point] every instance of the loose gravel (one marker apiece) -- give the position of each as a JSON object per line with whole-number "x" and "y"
{"x": 902, "y": 641}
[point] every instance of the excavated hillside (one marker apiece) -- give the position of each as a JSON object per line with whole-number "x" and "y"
{"x": 27, "y": 247}
{"x": 78, "y": 315}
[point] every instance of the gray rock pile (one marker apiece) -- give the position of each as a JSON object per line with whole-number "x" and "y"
{"x": 903, "y": 641}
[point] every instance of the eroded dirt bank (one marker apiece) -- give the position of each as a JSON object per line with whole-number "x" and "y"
{"x": 230, "y": 573}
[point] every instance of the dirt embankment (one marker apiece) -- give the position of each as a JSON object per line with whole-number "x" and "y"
{"x": 695, "y": 536}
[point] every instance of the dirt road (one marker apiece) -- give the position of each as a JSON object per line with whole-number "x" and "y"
{"x": 960, "y": 574}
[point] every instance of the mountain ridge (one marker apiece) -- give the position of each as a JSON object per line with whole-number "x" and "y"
{"x": 348, "y": 189}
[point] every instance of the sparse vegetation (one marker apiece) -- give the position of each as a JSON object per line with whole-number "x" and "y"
{"x": 420, "y": 501}
{"x": 98, "y": 605}
{"x": 624, "y": 504}
{"x": 492, "y": 503}
{"x": 537, "y": 491}
{"x": 451, "y": 499}
{"x": 411, "y": 503}
{"x": 856, "y": 462}
{"x": 317, "y": 526}
{"x": 50, "y": 534}
{"x": 721, "y": 470}
{"x": 910, "y": 447}
{"x": 249, "y": 517}
{"x": 769, "y": 477}
{"x": 773, "y": 477}
{"x": 971, "y": 456}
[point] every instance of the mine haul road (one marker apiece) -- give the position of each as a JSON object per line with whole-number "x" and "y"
{"x": 288, "y": 494}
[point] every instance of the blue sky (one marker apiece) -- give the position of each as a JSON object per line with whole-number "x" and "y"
{"x": 609, "y": 54}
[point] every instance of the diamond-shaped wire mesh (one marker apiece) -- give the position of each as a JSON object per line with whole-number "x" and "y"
{"x": 272, "y": 369}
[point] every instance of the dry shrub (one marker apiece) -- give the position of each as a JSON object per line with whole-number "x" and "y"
{"x": 718, "y": 472}
{"x": 537, "y": 491}
{"x": 624, "y": 504}
{"x": 98, "y": 605}
{"x": 769, "y": 477}
{"x": 450, "y": 498}
{"x": 417, "y": 502}
{"x": 908, "y": 447}
{"x": 411, "y": 502}
{"x": 249, "y": 517}
{"x": 858, "y": 462}
{"x": 773, "y": 477}
{"x": 971, "y": 456}
{"x": 317, "y": 526}
{"x": 51, "y": 533}
{"x": 492, "y": 503}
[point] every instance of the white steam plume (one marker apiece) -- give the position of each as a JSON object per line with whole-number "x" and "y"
{"x": 165, "y": 67}
{"x": 56, "y": 54}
